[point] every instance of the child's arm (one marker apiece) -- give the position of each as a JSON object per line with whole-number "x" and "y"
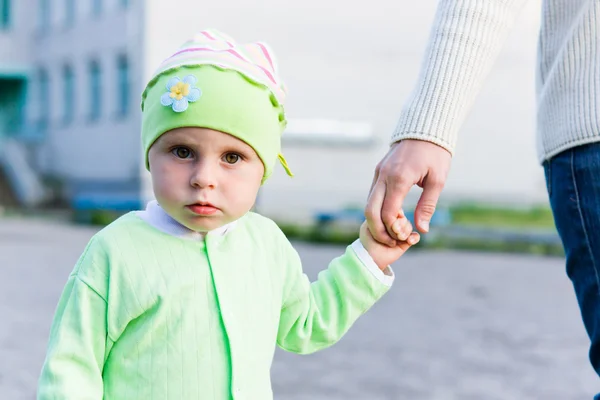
{"x": 78, "y": 337}
{"x": 316, "y": 315}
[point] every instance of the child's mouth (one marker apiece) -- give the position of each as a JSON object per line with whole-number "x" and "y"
{"x": 203, "y": 209}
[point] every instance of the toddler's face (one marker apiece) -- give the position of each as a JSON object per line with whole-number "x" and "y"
{"x": 203, "y": 178}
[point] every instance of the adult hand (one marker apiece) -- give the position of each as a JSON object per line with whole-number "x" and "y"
{"x": 407, "y": 163}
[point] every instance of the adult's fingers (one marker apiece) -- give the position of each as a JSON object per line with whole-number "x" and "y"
{"x": 375, "y": 178}
{"x": 427, "y": 204}
{"x": 373, "y": 215}
{"x": 395, "y": 192}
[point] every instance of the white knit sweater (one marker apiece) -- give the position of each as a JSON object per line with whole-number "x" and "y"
{"x": 465, "y": 40}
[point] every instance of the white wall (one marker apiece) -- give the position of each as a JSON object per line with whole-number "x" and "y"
{"x": 358, "y": 61}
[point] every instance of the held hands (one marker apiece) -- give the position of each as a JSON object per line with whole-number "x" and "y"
{"x": 407, "y": 163}
{"x": 382, "y": 254}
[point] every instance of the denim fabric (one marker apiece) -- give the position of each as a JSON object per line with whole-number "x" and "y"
{"x": 573, "y": 183}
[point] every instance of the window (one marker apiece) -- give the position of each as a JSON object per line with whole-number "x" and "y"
{"x": 70, "y": 12}
{"x": 44, "y": 15}
{"x": 68, "y": 94}
{"x": 5, "y": 14}
{"x": 95, "y": 90}
{"x": 123, "y": 89}
{"x": 96, "y": 7}
{"x": 44, "y": 97}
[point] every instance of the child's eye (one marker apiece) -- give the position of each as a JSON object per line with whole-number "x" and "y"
{"x": 231, "y": 158}
{"x": 181, "y": 152}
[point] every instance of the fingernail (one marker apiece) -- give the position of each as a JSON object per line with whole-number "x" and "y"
{"x": 413, "y": 239}
{"x": 425, "y": 224}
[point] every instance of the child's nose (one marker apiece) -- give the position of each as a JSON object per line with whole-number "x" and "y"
{"x": 204, "y": 175}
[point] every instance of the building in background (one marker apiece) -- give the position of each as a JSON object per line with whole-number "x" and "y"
{"x": 71, "y": 74}
{"x": 69, "y": 89}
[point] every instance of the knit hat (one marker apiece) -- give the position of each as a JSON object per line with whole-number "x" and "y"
{"x": 213, "y": 82}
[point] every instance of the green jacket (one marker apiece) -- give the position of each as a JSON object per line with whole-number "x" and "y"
{"x": 150, "y": 315}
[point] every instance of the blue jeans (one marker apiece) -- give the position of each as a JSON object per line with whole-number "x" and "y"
{"x": 573, "y": 183}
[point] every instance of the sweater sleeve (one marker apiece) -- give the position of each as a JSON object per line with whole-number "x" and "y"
{"x": 316, "y": 315}
{"x": 78, "y": 339}
{"x": 465, "y": 40}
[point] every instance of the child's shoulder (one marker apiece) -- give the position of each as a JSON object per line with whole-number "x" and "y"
{"x": 256, "y": 219}
{"x": 123, "y": 225}
{"x": 263, "y": 225}
{"x": 120, "y": 231}
{"x": 124, "y": 238}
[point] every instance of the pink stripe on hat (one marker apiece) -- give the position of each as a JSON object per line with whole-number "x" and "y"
{"x": 208, "y": 35}
{"x": 211, "y": 47}
{"x": 266, "y": 54}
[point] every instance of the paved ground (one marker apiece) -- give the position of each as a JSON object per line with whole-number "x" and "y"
{"x": 455, "y": 326}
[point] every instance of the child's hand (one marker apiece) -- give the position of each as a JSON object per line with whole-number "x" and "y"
{"x": 384, "y": 255}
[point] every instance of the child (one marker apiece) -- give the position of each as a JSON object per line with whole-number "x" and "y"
{"x": 188, "y": 298}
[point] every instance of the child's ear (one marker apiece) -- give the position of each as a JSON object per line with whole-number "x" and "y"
{"x": 150, "y": 155}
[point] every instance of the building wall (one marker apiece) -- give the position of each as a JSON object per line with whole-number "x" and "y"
{"x": 81, "y": 149}
{"x": 14, "y": 40}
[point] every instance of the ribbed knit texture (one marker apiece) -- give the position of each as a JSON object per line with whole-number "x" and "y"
{"x": 466, "y": 39}
{"x": 150, "y": 316}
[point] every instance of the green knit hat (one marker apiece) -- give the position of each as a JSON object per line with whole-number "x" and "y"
{"x": 212, "y": 82}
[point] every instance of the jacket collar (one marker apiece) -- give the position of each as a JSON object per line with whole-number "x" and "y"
{"x": 157, "y": 217}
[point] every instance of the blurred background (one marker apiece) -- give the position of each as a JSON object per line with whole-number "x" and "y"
{"x": 481, "y": 309}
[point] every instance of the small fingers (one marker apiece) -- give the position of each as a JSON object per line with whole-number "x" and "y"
{"x": 413, "y": 238}
{"x": 392, "y": 202}
{"x": 402, "y": 226}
